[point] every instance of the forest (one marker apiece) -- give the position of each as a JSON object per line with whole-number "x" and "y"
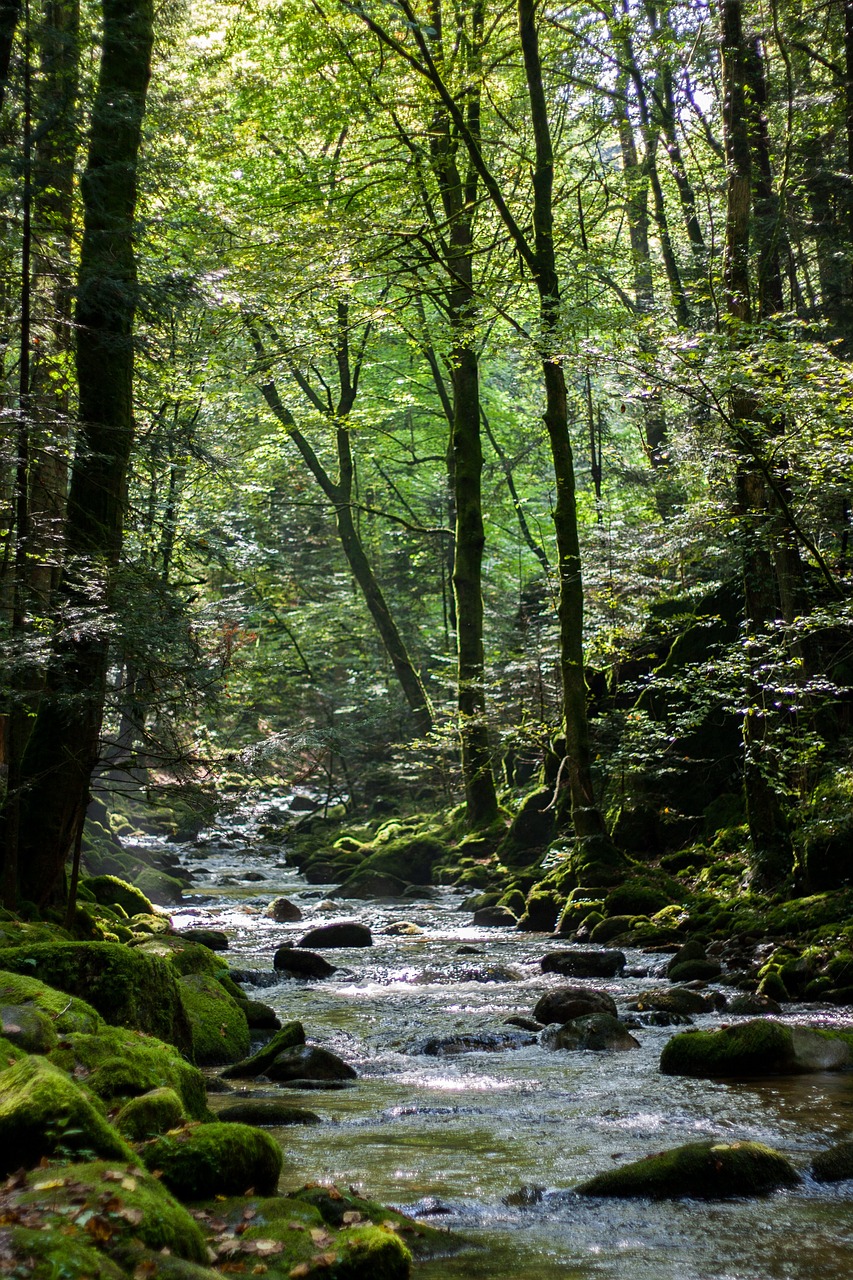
{"x": 427, "y": 473}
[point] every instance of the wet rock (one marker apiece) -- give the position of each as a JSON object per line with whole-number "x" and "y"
{"x": 301, "y": 964}
{"x": 695, "y": 971}
{"x": 343, "y": 933}
{"x": 699, "y": 1170}
{"x": 371, "y": 884}
{"x": 564, "y": 1003}
{"x": 261, "y": 1017}
{"x": 265, "y": 1113}
{"x": 215, "y": 1159}
{"x": 283, "y": 910}
{"x": 760, "y": 1047}
{"x": 309, "y": 1062}
{"x": 656, "y": 1018}
{"x": 677, "y": 1000}
{"x": 577, "y": 962}
{"x": 255, "y": 877}
{"x": 598, "y": 1032}
{"x": 402, "y": 929}
{"x": 609, "y": 928}
{"x": 467, "y": 950}
{"x": 151, "y": 1113}
{"x": 835, "y": 1164}
{"x": 213, "y": 939}
{"x": 487, "y": 973}
{"x": 255, "y": 977}
{"x": 220, "y": 1032}
{"x": 524, "y": 1197}
{"x": 291, "y": 1034}
{"x": 487, "y": 1042}
{"x": 526, "y": 1024}
{"x": 495, "y": 917}
{"x": 753, "y": 1004}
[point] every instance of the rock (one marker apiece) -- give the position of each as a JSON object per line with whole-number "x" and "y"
{"x": 495, "y": 917}
{"x": 541, "y": 910}
{"x": 695, "y": 971}
{"x": 110, "y": 890}
{"x": 699, "y": 1170}
{"x": 150, "y": 1114}
{"x": 372, "y": 884}
{"x": 220, "y": 1032}
{"x": 117, "y": 1064}
{"x": 125, "y": 987}
{"x": 265, "y": 1112}
{"x": 65, "y": 1014}
{"x": 526, "y": 1024}
{"x": 337, "y": 1207}
{"x": 599, "y": 1032}
{"x": 216, "y": 1159}
{"x": 678, "y": 1000}
{"x": 261, "y": 1017}
{"x": 254, "y": 877}
{"x": 129, "y": 1204}
{"x": 255, "y": 977}
{"x": 27, "y": 1028}
{"x": 290, "y": 1035}
{"x": 636, "y": 899}
{"x": 610, "y": 927}
{"x": 753, "y": 1004}
{"x": 487, "y": 1042}
{"x": 582, "y": 963}
{"x": 42, "y": 1111}
{"x": 163, "y": 890}
{"x": 835, "y": 1164}
{"x": 301, "y": 964}
{"x": 51, "y": 1253}
{"x": 524, "y": 1197}
{"x": 308, "y": 1062}
{"x": 343, "y": 933}
{"x": 402, "y": 929}
{"x": 183, "y": 955}
{"x": 467, "y": 950}
{"x": 213, "y": 939}
{"x": 564, "y": 1003}
{"x": 760, "y": 1047}
{"x": 408, "y": 858}
{"x": 283, "y": 910}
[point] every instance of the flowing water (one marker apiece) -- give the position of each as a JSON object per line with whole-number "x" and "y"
{"x": 452, "y": 1137}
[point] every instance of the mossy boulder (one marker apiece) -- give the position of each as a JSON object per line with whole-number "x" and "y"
{"x": 184, "y": 955}
{"x": 541, "y": 910}
{"x": 28, "y": 1028}
{"x": 371, "y": 884}
{"x": 597, "y": 1032}
{"x": 215, "y": 1159}
{"x": 531, "y": 831}
{"x": 336, "y": 1207}
{"x": 291, "y": 1034}
{"x": 43, "y": 1112}
{"x": 150, "y": 1114}
{"x": 408, "y": 858}
{"x": 117, "y": 1064}
{"x": 760, "y": 1047}
{"x": 162, "y": 889}
{"x": 835, "y": 1164}
{"x": 128, "y": 989}
{"x": 128, "y": 1203}
{"x": 699, "y": 1170}
{"x": 49, "y": 1253}
{"x": 220, "y": 1032}
{"x": 308, "y": 1062}
{"x": 65, "y": 1015}
{"x": 564, "y": 1003}
{"x": 265, "y": 1113}
{"x": 637, "y": 898}
{"x": 576, "y": 962}
{"x": 109, "y": 890}
{"x": 678, "y": 1000}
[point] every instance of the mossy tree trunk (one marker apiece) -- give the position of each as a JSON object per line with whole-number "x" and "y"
{"x": 63, "y": 748}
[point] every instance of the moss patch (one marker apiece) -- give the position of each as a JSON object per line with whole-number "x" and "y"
{"x": 699, "y": 1170}
{"x": 760, "y": 1047}
{"x": 215, "y": 1160}
{"x": 290, "y": 1035}
{"x": 150, "y": 1114}
{"x": 117, "y": 1064}
{"x": 220, "y": 1032}
{"x": 66, "y": 1015}
{"x": 108, "y": 890}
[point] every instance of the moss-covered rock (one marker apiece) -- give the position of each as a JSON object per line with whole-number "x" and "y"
{"x": 215, "y": 1159}
{"x": 27, "y": 1028}
{"x": 760, "y": 1047}
{"x": 835, "y": 1164}
{"x": 292, "y": 1033}
{"x": 111, "y": 889}
{"x": 597, "y": 1032}
{"x": 150, "y": 1114}
{"x": 337, "y": 1207}
{"x": 43, "y": 1112}
{"x": 638, "y": 898}
{"x": 117, "y": 1064}
{"x": 220, "y": 1032}
{"x": 308, "y": 1062}
{"x": 57, "y": 1252}
{"x": 128, "y": 989}
{"x": 183, "y": 955}
{"x": 541, "y": 909}
{"x": 162, "y": 889}
{"x": 65, "y": 1015}
{"x": 699, "y": 1170}
{"x": 265, "y": 1113}
{"x": 677, "y": 1000}
{"x": 564, "y": 1003}
{"x": 128, "y": 1203}
{"x": 408, "y": 858}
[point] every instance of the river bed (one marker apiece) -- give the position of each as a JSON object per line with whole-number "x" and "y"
{"x": 451, "y": 1138}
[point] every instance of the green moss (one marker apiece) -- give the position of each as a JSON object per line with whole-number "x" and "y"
{"x": 834, "y": 1165}
{"x": 183, "y": 956}
{"x": 127, "y": 988}
{"x": 66, "y": 1015}
{"x": 27, "y": 1027}
{"x": 110, "y": 889}
{"x": 407, "y": 858}
{"x": 336, "y": 1207}
{"x": 118, "y": 1063}
{"x": 161, "y": 889}
{"x": 760, "y": 1047}
{"x": 42, "y": 1112}
{"x": 220, "y": 1032}
{"x": 291, "y": 1034}
{"x": 215, "y": 1159}
{"x": 59, "y": 1253}
{"x": 700, "y": 1170}
{"x": 150, "y": 1114}
{"x": 129, "y": 1201}
{"x": 638, "y": 898}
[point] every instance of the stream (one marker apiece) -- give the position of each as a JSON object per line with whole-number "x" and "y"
{"x": 450, "y": 1138}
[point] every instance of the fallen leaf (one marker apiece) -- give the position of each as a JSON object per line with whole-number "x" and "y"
{"x": 99, "y": 1229}
{"x": 128, "y": 1184}
{"x": 324, "y": 1259}
{"x": 320, "y": 1235}
{"x": 143, "y": 1270}
{"x": 133, "y": 1216}
{"x": 301, "y": 1269}
{"x": 351, "y": 1217}
{"x": 48, "y": 1186}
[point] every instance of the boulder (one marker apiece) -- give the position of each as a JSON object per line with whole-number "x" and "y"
{"x": 117, "y": 1064}
{"x": 699, "y": 1170}
{"x": 677, "y": 1000}
{"x": 308, "y": 1062}
{"x": 265, "y": 1113}
{"x": 343, "y": 933}
{"x": 28, "y": 1028}
{"x": 283, "y": 911}
{"x": 371, "y": 884}
{"x": 610, "y": 927}
{"x": 216, "y": 1159}
{"x": 163, "y": 890}
{"x": 541, "y": 910}
{"x": 220, "y": 1032}
{"x": 42, "y": 1112}
{"x": 486, "y": 1042}
{"x": 126, "y": 988}
{"x": 301, "y": 964}
{"x": 760, "y": 1047}
{"x": 599, "y": 1032}
{"x": 290, "y": 1035}
{"x": 564, "y": 1003}
{"x": 260, "y": 1016}
{"x": 111, "y": 890}
{"x": 495, "y": 917}
{"x": 213, "y": 939}
{"x": 577, "y": 962}
{"x": 753, "y": 1004}
{"x": 835, "y": 1164}
{"x": 149, "y": 1114}
{"x": 695, "y": 971}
